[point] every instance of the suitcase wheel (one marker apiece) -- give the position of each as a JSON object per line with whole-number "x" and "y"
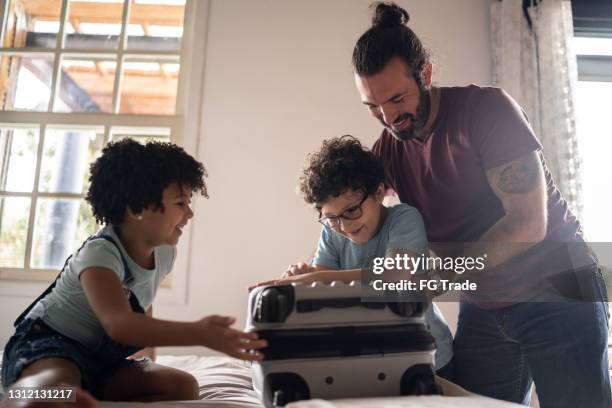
{"x": 419, "y": 380}
{"x": 421, "y": 386}
{"x": 279, "y": 399}
{"x": 436, "y": 390}
{"x": 274, "y": 304}
{"x": 285, "y": 388}
{"x": 284, "y": 397}
{"x": 406, "y": 309}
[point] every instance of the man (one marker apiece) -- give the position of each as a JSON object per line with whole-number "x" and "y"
{"x": 467, "y": 159}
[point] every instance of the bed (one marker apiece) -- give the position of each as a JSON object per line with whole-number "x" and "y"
{"x": 226, "y": 383}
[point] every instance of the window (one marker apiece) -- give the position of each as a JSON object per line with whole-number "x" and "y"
{"x": 593, "y": 101}
{"x": 593, "y": 47}
{"x": 75, "y": 74}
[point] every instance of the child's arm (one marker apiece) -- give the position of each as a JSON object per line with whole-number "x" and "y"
{"x": 324, "y": 274}
{"x": 150, "y": 352}
{"x": 321, "y": 274}
{"x": 105, "y": 294}
{"x": 328, "y": 275}
{"x": 302, "y": 267}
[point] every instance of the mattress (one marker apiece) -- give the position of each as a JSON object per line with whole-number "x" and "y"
{"x": 226, "y": 383}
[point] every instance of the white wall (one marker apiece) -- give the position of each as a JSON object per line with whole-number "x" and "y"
{"x": 277, "y": 82}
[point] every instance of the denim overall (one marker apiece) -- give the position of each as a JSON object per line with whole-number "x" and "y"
{"x": 34, "y": 340}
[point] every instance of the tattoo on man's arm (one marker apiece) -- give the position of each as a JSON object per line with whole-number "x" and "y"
{"x": 519, "y": 176}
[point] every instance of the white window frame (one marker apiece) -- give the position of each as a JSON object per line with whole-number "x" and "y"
{"x": 185, "y": 128}
{"x": 596, "y": 68}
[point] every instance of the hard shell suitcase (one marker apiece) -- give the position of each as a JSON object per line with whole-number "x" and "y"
{"x": 324, "y": 341}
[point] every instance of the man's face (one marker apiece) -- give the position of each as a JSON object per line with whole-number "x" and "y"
{"x": 396, "y": 100}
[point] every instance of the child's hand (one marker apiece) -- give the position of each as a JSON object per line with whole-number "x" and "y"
{"x": 149, "y": 352}
{"x": 218, "y": 335}
{"x": 268, "y": 282}
{"x": 306, "y": 278}
{"x": 298, "y": 269}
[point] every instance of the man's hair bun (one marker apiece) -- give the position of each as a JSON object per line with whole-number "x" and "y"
{"x": 388, "y": 15}
{"x": 387, "y": 38}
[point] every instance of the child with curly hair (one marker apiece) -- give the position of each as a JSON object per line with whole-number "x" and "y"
{"x": 345, "y": 183}
{"x": 83, "y": 329}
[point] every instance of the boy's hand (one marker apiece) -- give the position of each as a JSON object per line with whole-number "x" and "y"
{"x": 298, "y": 269}
{"x": 218, "y": 335}
{"x": 305, "y": 278}
{"x": 270, "y": 282}
{"x": 292, "y": 274}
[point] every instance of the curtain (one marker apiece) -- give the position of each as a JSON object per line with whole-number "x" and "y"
{"x": 533, "y": 61}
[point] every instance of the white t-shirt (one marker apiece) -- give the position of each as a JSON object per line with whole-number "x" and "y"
{"x": 66, "y": 308}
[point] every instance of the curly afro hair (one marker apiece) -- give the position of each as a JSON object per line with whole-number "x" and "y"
{"x": 341, "y": 164}
{"x": 132, "y": 175}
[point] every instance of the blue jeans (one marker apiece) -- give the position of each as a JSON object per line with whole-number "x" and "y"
{"x": 34, "y": 340}
{"x": 561, "y": 346}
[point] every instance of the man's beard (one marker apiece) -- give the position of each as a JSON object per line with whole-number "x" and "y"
{"x": 416, "y": 129}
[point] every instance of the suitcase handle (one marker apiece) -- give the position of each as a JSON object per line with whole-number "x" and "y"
{"x": 404, "y": 309}
{"x": 314, "y": 305}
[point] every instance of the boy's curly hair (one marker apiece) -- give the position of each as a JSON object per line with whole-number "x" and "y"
{"x": 341, "y": 164}
{"x": 131, "y": 175}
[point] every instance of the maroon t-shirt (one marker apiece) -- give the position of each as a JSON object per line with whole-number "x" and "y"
{"x": 476, "y": 129}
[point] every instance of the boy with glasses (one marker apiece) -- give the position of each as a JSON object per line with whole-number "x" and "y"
{"x": 345, "y": 183}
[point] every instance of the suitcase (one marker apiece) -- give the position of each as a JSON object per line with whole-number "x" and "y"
{"x": 325, "y": 342}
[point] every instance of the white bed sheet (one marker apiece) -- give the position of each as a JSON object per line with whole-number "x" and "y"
{"x": 226, "y": 383}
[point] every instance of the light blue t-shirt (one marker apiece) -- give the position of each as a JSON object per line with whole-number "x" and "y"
{"x": 66, "y": 308}
{"x": 403, "y": 229}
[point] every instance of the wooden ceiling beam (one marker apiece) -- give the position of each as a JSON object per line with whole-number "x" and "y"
{"x": 127, "y": 72}
{"x": 108, "y": 13}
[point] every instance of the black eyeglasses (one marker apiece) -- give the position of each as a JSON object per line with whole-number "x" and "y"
{"x": 351, "y": 213}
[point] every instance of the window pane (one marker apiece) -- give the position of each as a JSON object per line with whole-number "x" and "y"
{"x": 156, "y": 25}
{"x": 67, "y": 155}
{"x": 141, "y": 135}
{"x": 96, "y": 24}
{"x": 595, "y": 136}
{"x": 32, "y": 23}
{"x": 61, "y": 226}
{"x": 592, "y": 46}
{"x": 18, "y": 149}
{"x": 25, "y": 82}
{"x": 14, "y": 214}
{"x": 149, "y": 87}
{"x": 86, "y": 85}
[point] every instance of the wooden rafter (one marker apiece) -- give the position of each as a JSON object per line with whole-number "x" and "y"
{"x": 16, "y": 31}
{"x": 76, "y": 26}
{"x": 109, "y": 13}
{"x": 142, "y": 91}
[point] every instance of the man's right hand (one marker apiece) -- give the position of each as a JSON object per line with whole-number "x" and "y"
{"x": 298, "y": 269}
{"x": 217, "y": 334}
